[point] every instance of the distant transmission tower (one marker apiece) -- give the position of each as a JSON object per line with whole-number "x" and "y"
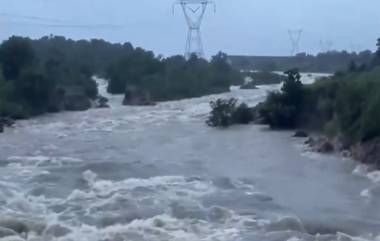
{"x": 295, "y": 38}
{"x": 326, "y": 46}
{"x": 194, "y": 11}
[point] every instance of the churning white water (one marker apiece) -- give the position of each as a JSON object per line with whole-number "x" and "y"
{"x": 159, "y": 173}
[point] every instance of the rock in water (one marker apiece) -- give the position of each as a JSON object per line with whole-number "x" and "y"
{"x": 6, "y": 232}
{"x": 57, "y": 231}
{"x": 301, "y": 134}
{"x": 367, "y": 152}
{"x": 137, "y": 97}
{"x": 77, "y": 102}
{"x": 7, "y": 121}
{"x": 218, "y": 214}
{"x": 1, "y": 127}
{"x": 326, "y": 147}
{"x": 249, "y": 86}
{"x": 322, "y": 145}
{"x": 102, "y": 102}
{"x": 286, "y": 224}
{"x": 310, "y": 142}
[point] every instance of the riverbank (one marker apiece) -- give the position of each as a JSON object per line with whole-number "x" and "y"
{"x": 344, "y": 107}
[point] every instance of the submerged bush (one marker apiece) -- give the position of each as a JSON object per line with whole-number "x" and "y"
{"x": 242, "y": 115}
{"x": 225, "y": 113}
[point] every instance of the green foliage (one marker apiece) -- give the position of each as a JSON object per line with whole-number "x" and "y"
{"x": 346, "y": 103}
{"x": 225, "y": 113}
{"x": 282, "y": 109}
{"x": 357, "y": 103}
{"x": 171, "y": 78}
{"x": 54, "y": 73}
{"x": 242, "y": 115}
{"x": 33, "y": 90}
{"x": 37, "y": 76}
{"x": 221, "y": 113}
{"x": 327, "y": 62}
{"x": 15, "y": 54}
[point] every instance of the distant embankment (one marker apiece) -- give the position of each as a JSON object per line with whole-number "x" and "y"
{"x": 330, "y": 62}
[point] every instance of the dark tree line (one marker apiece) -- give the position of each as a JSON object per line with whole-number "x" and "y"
{"x": 171, "y": 78}
{"x": 328, "y": 62}
{"x": 54, "y": 73}
{"x": 34, "y": 82}
{"x": 346, "y": 104}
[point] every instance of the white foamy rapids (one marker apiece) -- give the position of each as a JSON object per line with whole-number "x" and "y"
{"x": 158, "y": 228}
{"x": 113, "y": 100}
{"x": 41, "y": 161}
{"x": 367, "y": 171}
{"x": 132, "y": 118}
{"x": 157, "y": 208}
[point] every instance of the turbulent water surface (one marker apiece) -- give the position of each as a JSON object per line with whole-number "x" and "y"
{"x": 159, "y": 173}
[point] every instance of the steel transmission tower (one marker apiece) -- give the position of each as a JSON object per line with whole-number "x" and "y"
{"x": 295, "y": 38}
{"x": 194, "y": 11}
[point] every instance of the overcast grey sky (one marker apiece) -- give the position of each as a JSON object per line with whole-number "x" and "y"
{"x": 239, "y": 26}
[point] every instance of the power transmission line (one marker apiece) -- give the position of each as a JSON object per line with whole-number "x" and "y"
{"x": 54, "y": 23}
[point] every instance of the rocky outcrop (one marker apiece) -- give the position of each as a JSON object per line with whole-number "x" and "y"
{"x": 320, "y": 144}
{"x": 5, "y": 122}
{"x": 101, "y": 102}
{"x": 301, "y": 134}
{"x": 285, "y": 224}
{"x": 367, "y": 152}
{"x": 137, "y": 97}
{"x": 249, "y": 86}
{"x": 77, "y": 102}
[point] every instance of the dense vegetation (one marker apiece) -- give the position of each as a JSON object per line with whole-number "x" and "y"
{"x": 226, "y": 112}
{"x": 345, "y": 104}
{"x": 171, "y": 78}
{"x": 54, "y": 73}
{"x": 328, "y": 62}
{"x": 32, "y": 85}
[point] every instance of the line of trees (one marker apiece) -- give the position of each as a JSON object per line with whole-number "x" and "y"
{"x": 328, "y": 62}
{"x": 345, "y": 104}
{"x": 54, "y": 73}
{"x": 31, "y": 85}
{"x": 172, "y": 78}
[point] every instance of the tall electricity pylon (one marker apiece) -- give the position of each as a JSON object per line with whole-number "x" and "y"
{"x": 194, "y": 11}
{"x": 295, "y": 38}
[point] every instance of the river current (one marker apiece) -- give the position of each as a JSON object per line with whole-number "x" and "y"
{"x": 160, "y": 174}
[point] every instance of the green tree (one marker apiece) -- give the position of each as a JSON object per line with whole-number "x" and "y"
{"x": 15, "y": 54}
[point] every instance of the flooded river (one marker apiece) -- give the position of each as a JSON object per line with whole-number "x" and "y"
{"x": 160, "y": 174}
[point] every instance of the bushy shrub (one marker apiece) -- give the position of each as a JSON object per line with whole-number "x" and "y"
{"x": 172, "y": 78}
{"x": 283, "y": 109}
{"x": 222, "y": 112}
{"x": 35, "y": 75}
{"x": 225, "y": 112}
{"x": 242, "y": 114}
{"x": 345, "y": 104}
